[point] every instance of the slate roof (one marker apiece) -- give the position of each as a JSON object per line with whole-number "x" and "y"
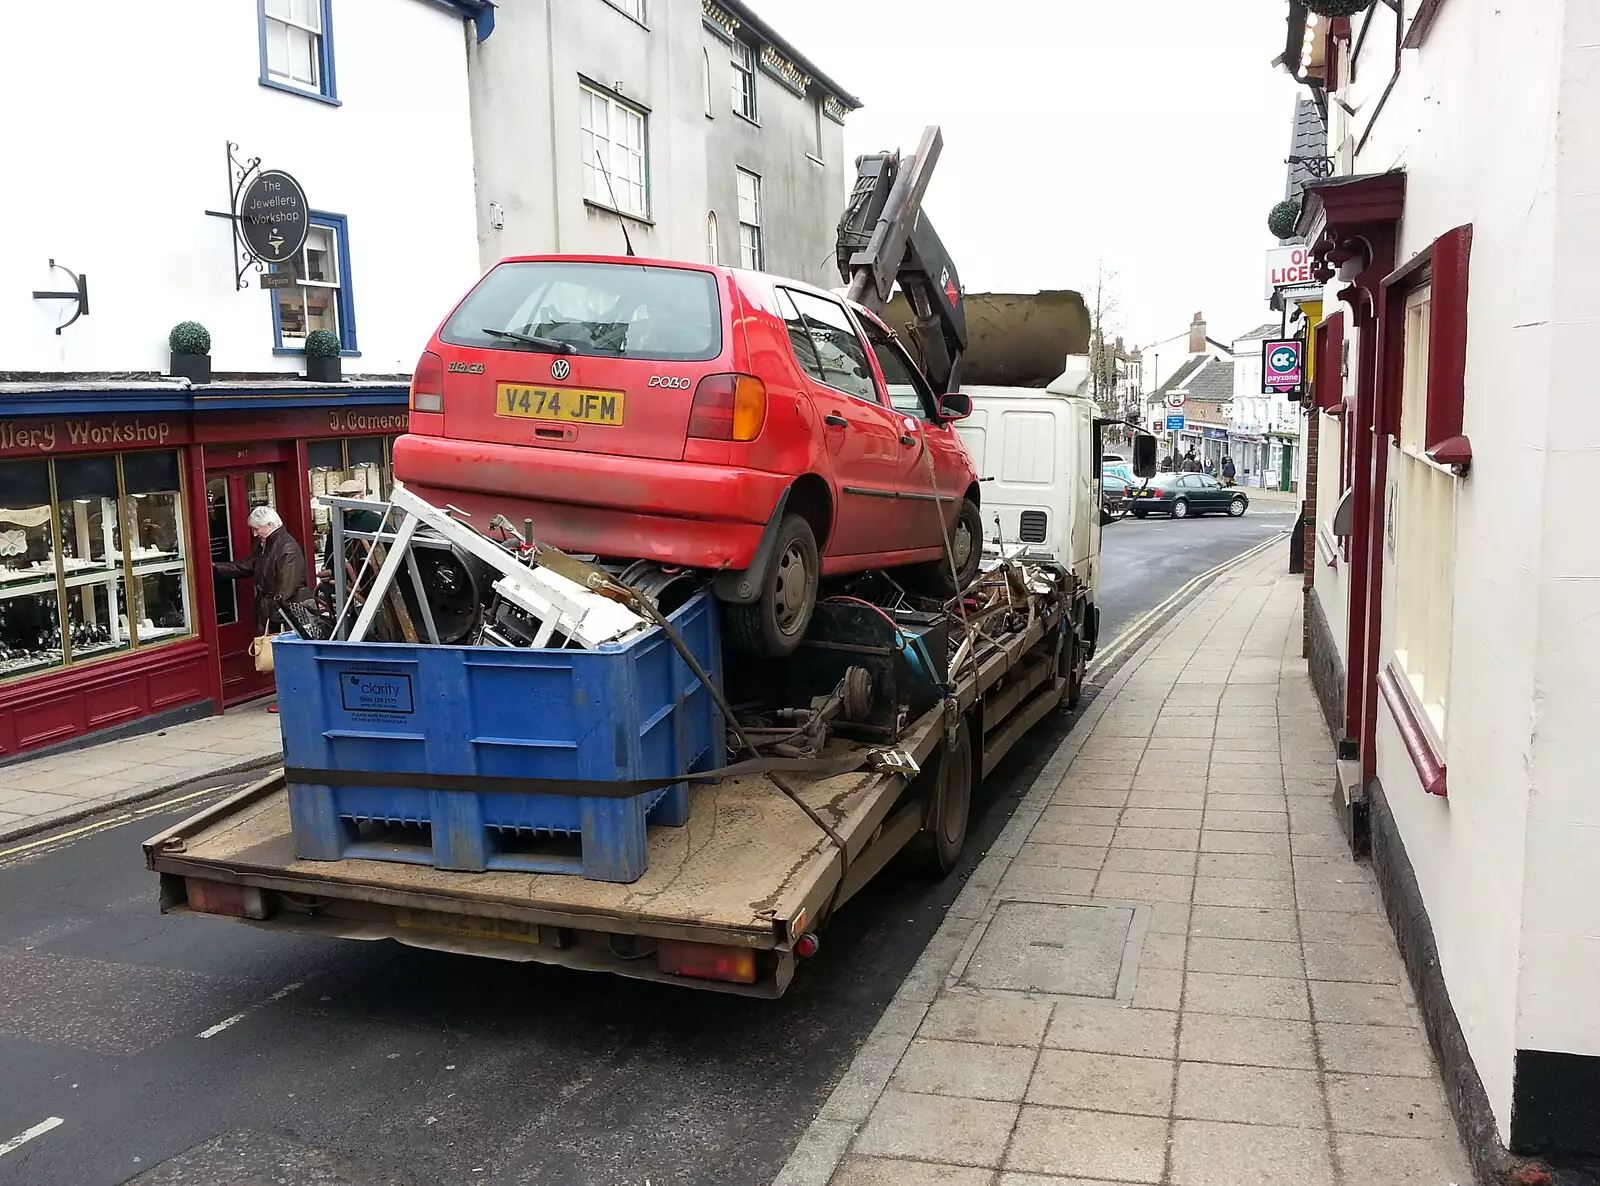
{"x": 1268, "y": 330}
{"x": 1178, "y": 377}
{"x": 1212, "y": 381}
{"x": 1309, "y": 137}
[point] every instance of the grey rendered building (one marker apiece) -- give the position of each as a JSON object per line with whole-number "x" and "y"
{"x": 692, "y": 124}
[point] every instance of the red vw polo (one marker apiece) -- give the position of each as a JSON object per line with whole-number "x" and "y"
{"x": 700, "y": 416}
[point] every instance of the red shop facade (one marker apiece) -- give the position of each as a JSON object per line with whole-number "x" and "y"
{"x": 116, "y": 501}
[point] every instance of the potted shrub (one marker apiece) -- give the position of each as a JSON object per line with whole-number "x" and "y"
{"x": 191, "y": 352}
{"x": 322, "y": 356}
{"x": 1337, "y": 8}
{"x": 1282, "y": 218}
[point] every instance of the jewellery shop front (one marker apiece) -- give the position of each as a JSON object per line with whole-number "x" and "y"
{"x": 115, "y": 502}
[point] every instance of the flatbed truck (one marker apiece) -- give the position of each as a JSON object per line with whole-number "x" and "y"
{"x": 730, "y": 901}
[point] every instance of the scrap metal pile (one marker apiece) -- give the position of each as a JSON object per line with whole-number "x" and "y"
{"x": 496, "y": 587}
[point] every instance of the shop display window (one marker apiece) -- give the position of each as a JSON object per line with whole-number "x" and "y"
{"x": 334, "y": 463}
{"x": 99, "y": 543}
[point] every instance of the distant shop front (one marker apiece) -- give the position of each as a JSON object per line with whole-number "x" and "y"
{"x": 114, "y": 506}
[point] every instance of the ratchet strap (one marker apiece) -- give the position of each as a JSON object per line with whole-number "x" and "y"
{"x": 583, "y": 788}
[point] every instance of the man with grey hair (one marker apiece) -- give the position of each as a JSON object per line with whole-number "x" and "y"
{"x": 276, "y": 565}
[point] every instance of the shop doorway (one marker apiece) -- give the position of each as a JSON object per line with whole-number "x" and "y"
{"x": 231, "y": 494}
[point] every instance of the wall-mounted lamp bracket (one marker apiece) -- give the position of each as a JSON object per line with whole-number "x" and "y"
{"x": 79, "y": 293}
{"x": 239, "y": 175}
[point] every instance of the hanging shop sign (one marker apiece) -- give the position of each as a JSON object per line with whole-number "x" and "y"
{"x": 1282, "y": 364}
{"x": 273, "y": 217}
{"x": 1289, "y": 267}
{"x": 269, "y": 215}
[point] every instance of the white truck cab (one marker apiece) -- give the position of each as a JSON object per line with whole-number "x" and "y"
{"x": 1034, "y": 452}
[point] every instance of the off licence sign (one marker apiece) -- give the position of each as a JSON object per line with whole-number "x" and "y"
{"x": 1289, "y": 266}
{"x": 1282, "y": 364}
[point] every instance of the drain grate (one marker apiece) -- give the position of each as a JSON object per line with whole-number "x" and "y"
{"x": 1066, "y": 950}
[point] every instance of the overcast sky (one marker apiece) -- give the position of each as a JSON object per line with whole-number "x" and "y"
{"x": 1146, "y": 133}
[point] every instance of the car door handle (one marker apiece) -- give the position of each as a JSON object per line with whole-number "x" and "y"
{"x": 836, "y": 421}
{"x": 905, "y": 440}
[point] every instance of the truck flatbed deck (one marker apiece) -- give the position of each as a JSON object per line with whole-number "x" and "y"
{"x": 749, "y": 873}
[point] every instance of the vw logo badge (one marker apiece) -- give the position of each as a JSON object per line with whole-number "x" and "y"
{"x": 560, "y": 369}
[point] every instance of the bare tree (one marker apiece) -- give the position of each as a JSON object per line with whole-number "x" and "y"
{"x": 1104, "y": 344}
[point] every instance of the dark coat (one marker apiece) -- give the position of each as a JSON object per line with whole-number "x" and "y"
{"x": 278, "y": 567}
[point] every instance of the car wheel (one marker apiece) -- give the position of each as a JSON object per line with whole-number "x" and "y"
{"x": 1139, "y": 514}
{"x": 773, "y": 625}
{"x": 1236, "y": 507}
{"x": 966, "y": 546}
{"x": 937, "y": 848}
{"x": 1180, "y": 509}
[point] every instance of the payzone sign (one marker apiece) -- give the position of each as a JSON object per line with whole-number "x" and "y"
{"x": 1282, "y": 364}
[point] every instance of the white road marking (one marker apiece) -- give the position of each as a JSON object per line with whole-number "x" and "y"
{"x": 213, "y": 1031}
{"x": 223, "y": 1024}
{"x": 38, "y": 1130}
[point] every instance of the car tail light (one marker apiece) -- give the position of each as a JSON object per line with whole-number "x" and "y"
{"x": 707, "y": 961}
{"x": 221, "y": 897}
{"x": 728, "y": 408}
{"x": 427, "y": 384}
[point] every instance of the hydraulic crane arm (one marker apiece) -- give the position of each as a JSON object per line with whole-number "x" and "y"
{"x": 885, "y": 240}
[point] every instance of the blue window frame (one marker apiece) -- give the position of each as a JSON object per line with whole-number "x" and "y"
{"x": 297, "y": 47}
{"x": 321, "y": 297}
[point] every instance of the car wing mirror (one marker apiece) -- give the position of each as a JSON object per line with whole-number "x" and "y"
{"x": 955, "y": 406}
{"x": 1144, "y": 455}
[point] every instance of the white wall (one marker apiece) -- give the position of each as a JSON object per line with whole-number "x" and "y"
{"x": 117, "y": 117}
{"x": 1557, "y": 1005}
{"x": 1472, "y": 120}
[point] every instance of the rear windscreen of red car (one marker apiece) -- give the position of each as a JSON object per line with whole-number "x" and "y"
{"x": 604, "y": 310}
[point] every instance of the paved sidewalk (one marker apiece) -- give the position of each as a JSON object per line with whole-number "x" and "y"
{"x": 41, "y": 792}
{"x": 1168, "y": 969}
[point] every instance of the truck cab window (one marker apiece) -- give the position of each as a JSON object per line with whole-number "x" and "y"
{"x": 908, "y": 391}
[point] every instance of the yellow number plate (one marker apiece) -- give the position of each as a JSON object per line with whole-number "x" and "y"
{"x": 559, "y": 403}
{"x": 469, "y": 928}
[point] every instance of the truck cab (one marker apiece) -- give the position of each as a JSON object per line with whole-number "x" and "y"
{"x": 1033, "y": 449}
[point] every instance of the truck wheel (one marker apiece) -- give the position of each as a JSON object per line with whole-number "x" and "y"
{"x": 773, "y": 625}
{"x": 937, "y": 848}
{"x": 966, "y": 542}
{"x": 1072, "y": 666}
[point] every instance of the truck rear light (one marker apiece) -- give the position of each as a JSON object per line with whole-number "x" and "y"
{"x": 221, "y": 897}
{"x": 728, "y": 408}
{"x": 707, "y": 961}
{"x": 427, "y": 384}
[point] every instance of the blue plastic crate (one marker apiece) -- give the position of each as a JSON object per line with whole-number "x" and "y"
{"x": 624, "y": 711}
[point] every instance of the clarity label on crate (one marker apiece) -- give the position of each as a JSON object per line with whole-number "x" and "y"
{"x": 376, "y": 691}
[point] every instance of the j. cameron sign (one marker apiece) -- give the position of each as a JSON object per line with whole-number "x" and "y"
{"x": 1288, "y": 267}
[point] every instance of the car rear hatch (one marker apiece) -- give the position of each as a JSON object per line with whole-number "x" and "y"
{"x": 591, "y": 357}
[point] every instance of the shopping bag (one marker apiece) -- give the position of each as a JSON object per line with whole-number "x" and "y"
{"x": 261, "y": 652}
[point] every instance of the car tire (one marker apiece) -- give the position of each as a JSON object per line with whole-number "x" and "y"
{"x": 1180, "y": 509}
{"x": 1236, "y": 507}
{"x": 936, "y": 850}
{"x": 966, "y": 541}
{"x": 1138, "y": 514}
{"x": 772, "y": 626}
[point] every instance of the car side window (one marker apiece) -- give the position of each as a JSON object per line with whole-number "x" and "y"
{"x": 1189, "y": 481}
{"x": 842, "y": 359}
{"x": 908, "y": 390}
{"x": 805, "y": 350}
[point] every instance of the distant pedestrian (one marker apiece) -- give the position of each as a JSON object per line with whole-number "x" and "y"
{"x": 1211, "y": 466}
{"x": 1228, "y": 471}
{"x": 1191, "y": 464}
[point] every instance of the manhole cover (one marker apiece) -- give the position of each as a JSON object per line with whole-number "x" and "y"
{"x": 1067, "y": 950}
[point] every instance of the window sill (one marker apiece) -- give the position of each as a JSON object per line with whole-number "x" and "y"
{"x": 641, "y": 219}
{"x": 1415, "y": 730}
{"x": 816, "y": 160}
{"x": 754, "y": 123}
{"x": 300, "y": 352}
{"x": 1327, "y": 547}
{"x": 330, "y": 100}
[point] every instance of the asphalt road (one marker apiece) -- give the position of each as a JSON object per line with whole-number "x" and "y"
{"x": 205, "y": 1053}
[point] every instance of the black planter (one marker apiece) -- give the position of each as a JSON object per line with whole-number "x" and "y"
{"x": 324, "y": 370}
{"x": 194, "y": 367}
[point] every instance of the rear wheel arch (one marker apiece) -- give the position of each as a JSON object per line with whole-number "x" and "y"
{"x": 810, "y": 498}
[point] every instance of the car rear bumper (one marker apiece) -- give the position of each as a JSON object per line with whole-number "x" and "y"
{"x": 673, "y": 512}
